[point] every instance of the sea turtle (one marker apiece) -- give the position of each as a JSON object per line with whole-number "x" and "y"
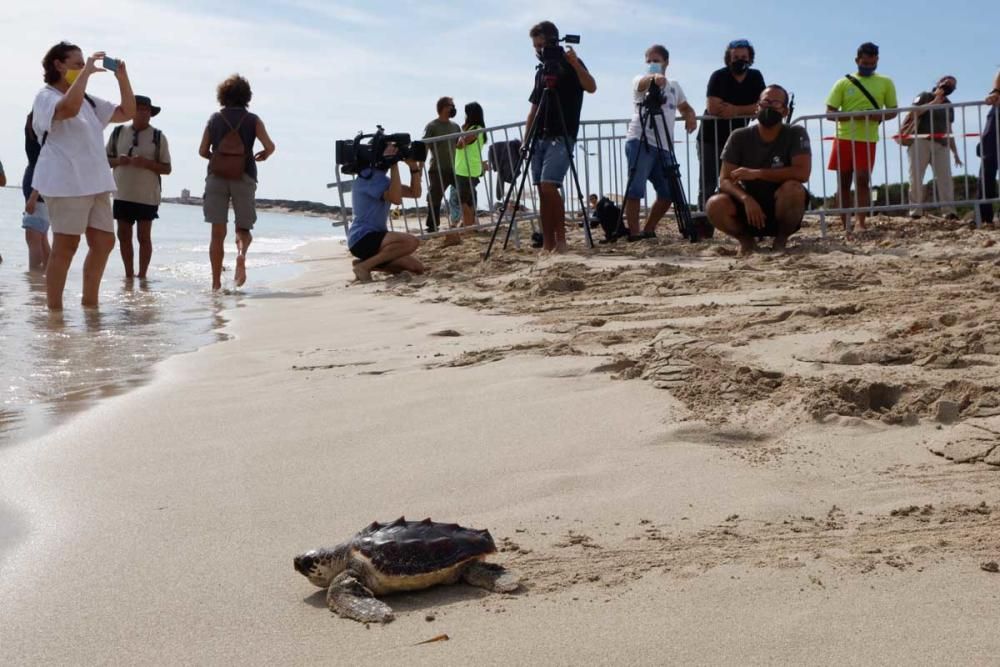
{"x": 401, "y": 556}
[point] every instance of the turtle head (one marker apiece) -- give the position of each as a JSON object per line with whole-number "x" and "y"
{"x": 320, "y": 566}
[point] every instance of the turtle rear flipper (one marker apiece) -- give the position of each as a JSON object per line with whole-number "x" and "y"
{"x": 490, "y": 576}
{"x": 349, "y": 598}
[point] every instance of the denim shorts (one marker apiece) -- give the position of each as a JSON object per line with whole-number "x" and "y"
{"x": 37, "y": 221}
{"x": 550, "y": 162}
{"x": 648, "y": 167}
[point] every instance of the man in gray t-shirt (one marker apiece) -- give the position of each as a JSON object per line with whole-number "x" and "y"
{"x": 440, "y": 169}
{"x": 764, "y": 166}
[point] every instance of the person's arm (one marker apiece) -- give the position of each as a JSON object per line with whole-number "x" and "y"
{"x": 3, "y": 178}
{"x": 586, "y": 79}
{"x": 70, "y": 103}
{"x": 531, "y": 120}
{"x": 798, "y": 171}
{"x": 126, "y": 108}
{"x": 29, "y": 206}
{"x": 994, "y": 95}
{"x": 265, "y": 140}
{"x": 161, "y": 168}
{"x": 729, "y": 185}
{"x": 646, "y": 81}
{"x": 206, "y": 144}
{"x": 413, "y": 189}
{"x": 716, "y": 107}
{"x": 690, "y": 117}
{"x": 394, "y": 195}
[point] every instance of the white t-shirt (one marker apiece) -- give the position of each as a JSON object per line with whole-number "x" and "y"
{"x": 674, "y": 96}
{"x": 72, "y": 162}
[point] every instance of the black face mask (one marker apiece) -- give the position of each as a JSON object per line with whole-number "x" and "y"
{"x": 739, "y": 66}
{"x": 453, "y": 112}
{"x": 947, "y": 90}
{"x": 768, "y": 117}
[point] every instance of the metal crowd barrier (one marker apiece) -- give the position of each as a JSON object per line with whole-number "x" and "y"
{"x": 599, "y": 156}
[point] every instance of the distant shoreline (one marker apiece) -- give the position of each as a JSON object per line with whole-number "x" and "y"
{"x": 298, "y": 207}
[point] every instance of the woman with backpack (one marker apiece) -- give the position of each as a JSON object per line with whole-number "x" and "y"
{"x": 469, "y": 161}
{"x": 227, "y": 144}
{"x": 72, "y": 171}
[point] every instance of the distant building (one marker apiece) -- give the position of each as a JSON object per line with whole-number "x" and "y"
{"x": 185, "y": 196}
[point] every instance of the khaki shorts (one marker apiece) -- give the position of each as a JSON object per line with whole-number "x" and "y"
{"x": 219, "y": 193}
{"x": 74, "y": 215}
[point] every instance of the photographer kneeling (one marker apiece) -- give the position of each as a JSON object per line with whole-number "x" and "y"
{"x": 764, "y": 167}
{"x": 368, "y": 239}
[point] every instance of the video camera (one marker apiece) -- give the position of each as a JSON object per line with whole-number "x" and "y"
{"x": 355, "y": 155}
{"x": 553, "y": 54}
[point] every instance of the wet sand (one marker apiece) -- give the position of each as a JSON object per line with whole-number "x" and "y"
{"x": 688, "y": 457}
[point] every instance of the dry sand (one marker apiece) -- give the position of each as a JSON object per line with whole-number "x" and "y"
{"x": 690, "y": 459}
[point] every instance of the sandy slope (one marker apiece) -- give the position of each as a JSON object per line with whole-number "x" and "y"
{"x": 672, "y": 449}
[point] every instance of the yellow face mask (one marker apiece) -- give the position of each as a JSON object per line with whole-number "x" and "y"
{"x": 72, "y": 75}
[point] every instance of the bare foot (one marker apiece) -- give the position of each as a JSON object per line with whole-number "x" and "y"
{"x": 363, "y": 275}
{"x": 747, "y": 247}
{"x": 779, "y": 244}
{"x": 561, "y": 248}
{"x": 240, "y": 276}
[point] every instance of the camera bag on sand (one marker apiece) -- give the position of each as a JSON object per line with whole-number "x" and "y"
{"x": 608, "y": 213}
{"x": 228, "y": 161}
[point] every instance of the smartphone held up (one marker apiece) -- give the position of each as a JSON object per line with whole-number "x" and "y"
{"x": 110, "y": 64}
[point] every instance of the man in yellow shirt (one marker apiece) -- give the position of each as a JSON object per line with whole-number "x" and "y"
{"x": 853, "y": 152}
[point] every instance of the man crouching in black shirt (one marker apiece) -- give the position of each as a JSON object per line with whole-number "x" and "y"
{"x": 763, "y": 169}
{"x": 551, "y": 159}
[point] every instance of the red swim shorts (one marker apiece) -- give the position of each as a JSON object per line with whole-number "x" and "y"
{"x": 847, "y": 155}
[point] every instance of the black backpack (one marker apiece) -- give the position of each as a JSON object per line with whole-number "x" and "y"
{"x": 608, "y": 214}
{"x": 504, "y": 160}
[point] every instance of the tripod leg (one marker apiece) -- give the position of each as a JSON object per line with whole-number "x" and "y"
{"x": 517, "y": 200}
{"x": 525, "y": 163}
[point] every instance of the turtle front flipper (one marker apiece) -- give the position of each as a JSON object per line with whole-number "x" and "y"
{"x": 490, "y": 576}
{"x": 349, "y": 598}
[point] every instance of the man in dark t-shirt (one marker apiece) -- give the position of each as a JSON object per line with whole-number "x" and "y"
{"x": 440, "y": 169}
{"x": 933, "y": 145}
{"x": 732, "y": 95}
{"x": 764, "y": 166}
{"x": 551, "y": 158}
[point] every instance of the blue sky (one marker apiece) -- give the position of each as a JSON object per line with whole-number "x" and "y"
{"x": 324, "y": 70}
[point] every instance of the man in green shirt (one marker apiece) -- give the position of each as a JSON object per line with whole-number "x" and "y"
{"x": 440, "y": 170}
{"x": 853, "y": 152}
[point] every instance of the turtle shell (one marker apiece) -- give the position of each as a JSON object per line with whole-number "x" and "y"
{"x": 410, "y": 548}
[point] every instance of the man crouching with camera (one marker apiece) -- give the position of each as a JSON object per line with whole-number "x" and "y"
{"x": 375, "y": 190}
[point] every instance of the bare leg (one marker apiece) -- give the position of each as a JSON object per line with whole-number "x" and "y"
{"x": 216, "y": 253}
{"x": 144, "y": 230}
{"x": 632, "y": 216}
{"x": 243, "y": 240}
{"x": 660, "y": 208}
{"x": 125, "y": 246}
{"x": 63, "y": 248}
{"x": 553, "y": 218}
{"x": 37, "y": 249}
{"x": 408, "y": 263}
{"x": 99, "y": 247}
{"x": 844, "y": 199}
{"x": 789, "y": 208}
{"x": 863, "y": 188}
{"x": 395, "y": 245}
{"x": 723, "y": 215}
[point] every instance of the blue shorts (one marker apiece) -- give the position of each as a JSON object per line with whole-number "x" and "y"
{"x": 37, "y": 221}
{"x": 648, "y": 167}
{"x": 550, "y": 162}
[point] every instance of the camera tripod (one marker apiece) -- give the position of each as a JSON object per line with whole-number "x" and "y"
{"x": 531, "y": 142}
{"x": 649, "y": 110}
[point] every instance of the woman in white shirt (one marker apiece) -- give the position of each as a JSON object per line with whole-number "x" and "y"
{"x": 72, "y": 172}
